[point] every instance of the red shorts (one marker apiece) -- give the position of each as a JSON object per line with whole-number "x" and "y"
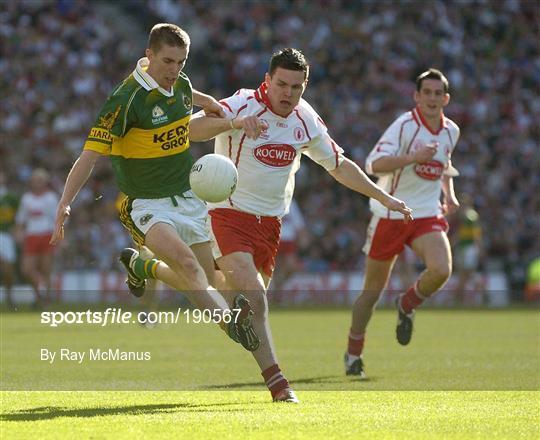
{"x": 387, "y": 237}
{"x": 236, "y": 231}
{"x": 287, "y": 247}
{"x": 37, "y": 244}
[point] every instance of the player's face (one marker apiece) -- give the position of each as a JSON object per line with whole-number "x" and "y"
{"x": 166, "y": 64}
{"x": 38, "y": 183}
{"x": 285, "y": 88}
{"x": 431, "y": 98}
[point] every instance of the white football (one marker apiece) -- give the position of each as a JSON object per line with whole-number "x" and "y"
{"x": 213, "y": 178}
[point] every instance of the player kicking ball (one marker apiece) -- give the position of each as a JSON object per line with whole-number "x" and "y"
{"x": 412, "y": 161}
{"x": 245, "y": 229}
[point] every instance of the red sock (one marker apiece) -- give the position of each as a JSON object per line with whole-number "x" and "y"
{"x": 275, "y": 381}
{"x": 356, "y": 343}
{"x": 412, "y": 299}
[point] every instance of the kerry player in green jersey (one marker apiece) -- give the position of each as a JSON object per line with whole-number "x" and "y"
{"x": 9, "y": 203}
{"x": 144, "y": 128}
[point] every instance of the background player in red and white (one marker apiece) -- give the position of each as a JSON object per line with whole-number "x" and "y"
{"x": 34, "y": 227}
{"x": 412, "y": 161}
{"x": 246, "y": 228}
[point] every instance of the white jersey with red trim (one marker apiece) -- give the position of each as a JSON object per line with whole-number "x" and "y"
{"x": 418, "y": 185}
{"x": 37, "y": 212}
{"x": 266, "y": 165}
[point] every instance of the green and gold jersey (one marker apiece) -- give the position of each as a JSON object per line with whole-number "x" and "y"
{"x": 8, "y": 208}
{"x": 144, "y": 130}
{"x": 469, "y": 230}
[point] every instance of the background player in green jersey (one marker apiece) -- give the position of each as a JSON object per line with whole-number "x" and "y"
{"x": 8, "y": 255}
{"x": 144, "y": 128}
{"x": 468, "y": 246}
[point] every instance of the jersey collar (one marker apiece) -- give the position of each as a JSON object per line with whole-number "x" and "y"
{"x": 261, "y": 95}
{"x": 145, "y": 80}
{"x": 417, "y": 114}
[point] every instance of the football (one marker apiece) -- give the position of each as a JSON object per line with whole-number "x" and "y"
{"x": 213, "y": 178}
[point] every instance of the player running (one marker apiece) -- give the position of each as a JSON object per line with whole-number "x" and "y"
{"x": 144, "y": 128}
{"x": 34, "y": 227}
{"x": 412, "y": 161}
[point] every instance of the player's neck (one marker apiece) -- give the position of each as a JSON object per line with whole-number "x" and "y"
{"x": 434, "y": 123}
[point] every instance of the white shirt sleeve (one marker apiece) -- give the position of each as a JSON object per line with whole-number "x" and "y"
{"x": 387, "y": 145}
{"x": 323, "y": 150}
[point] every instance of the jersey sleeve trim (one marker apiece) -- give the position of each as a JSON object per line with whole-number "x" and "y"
{"x": 303, "y": 123}
{"x": 124, "y": 125}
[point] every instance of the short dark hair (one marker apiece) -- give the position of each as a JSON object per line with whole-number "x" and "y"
{"x": 432, "y": 74}
{"x": 290, "y": 59}
{"x": 169, "y": 34}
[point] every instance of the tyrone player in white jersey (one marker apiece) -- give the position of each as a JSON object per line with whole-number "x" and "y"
{"x": 412, "y": 161}
{"x": 279, "y": 127}
{"x": 34, "y": 227}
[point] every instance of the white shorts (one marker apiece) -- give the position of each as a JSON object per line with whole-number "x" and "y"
{"x": 188, "y": 217}
{"x": 8, "y": 253}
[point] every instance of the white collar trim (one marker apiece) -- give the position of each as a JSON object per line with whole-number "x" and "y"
{"x": 146, "y": 81}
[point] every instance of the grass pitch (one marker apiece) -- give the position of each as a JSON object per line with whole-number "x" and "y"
{"x": 466, "y": 374}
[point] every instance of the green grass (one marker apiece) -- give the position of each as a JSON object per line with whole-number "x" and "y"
{"x": 466, "y": 374}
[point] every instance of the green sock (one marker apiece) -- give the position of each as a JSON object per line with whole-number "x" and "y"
{"x": 145, "y": 268}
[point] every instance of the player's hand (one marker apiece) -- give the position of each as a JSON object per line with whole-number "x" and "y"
{"x": 213, "y": 109}
{"x": 425, "y": 154}
{"x": 394, "y": 204}
{"x": 62, "y": 212}
{"x": 450, "y": 205}
{"x": 252, "y": 125}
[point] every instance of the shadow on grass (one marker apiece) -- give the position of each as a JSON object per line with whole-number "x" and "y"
{"x": 53, "y": 412}
{"x": 294, "y": 382}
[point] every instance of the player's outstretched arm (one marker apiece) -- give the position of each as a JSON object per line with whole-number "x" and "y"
{"x": 209, "y": 104}
{"x": 204, "y": 128}
{"x": 77, "y": 177}
{"x": 351, "y": 175}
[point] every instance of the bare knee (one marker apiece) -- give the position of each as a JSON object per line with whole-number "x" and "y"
{"x": 441, "y": 272}
{"x": 188, "y": 268}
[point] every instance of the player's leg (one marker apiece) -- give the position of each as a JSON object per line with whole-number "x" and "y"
{"x": 150, "y": 299}
{"x": 433, "y": 249}
{"x": 7, "y": 270}
{"x": 178, "y": 267}
{"x": 7, "y": 265}
{"x": 241, "y": 274}
{"x": 376, "y": 278}
{"x": 30, "y": 269}
{"x": 203, "y": 253}
{"x": 385, "y": 241}
{"x": 45, "y": 262}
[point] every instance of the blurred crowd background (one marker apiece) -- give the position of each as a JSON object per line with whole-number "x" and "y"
{"x": 60, "y": 59}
